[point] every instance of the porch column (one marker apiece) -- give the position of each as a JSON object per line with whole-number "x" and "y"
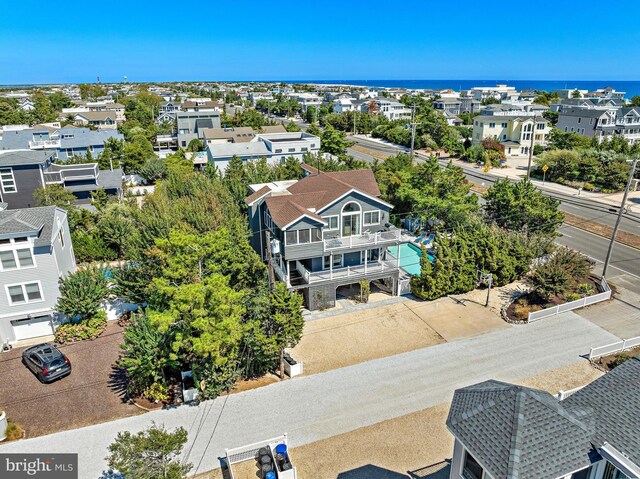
{"x": 365, "y": 261}
{"x": 331, "y": 266}
{"x": 287, "y": 268}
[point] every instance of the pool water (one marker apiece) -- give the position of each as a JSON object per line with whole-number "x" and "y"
{"x": 410, "y": 255}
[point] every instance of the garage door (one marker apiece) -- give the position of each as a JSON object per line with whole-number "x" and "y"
{"x": 32, "y": 328}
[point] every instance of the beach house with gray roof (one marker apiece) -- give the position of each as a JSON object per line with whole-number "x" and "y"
{"x": 35, "y": 252}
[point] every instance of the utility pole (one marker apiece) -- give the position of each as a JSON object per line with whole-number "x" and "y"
{"x": 413, "y": 128}
{"x": 533, "y": 130}
{"x": 617, "y": 225}
{"x": 355, "y": 114}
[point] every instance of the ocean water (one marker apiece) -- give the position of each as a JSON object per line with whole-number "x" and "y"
{"x": 630, "y": 87}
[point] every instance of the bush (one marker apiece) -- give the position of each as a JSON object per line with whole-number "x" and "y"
{"x": 572, "y": 297}
{"x": 618, "y": 360}
{"x": 585, "y": 289}
{"x": 82, "y": 292}
{"x": 14, "y": 431}
{"x": 158, "y": 392}
{"x": 521, "y": 311}
{"x": 85, "y": 329}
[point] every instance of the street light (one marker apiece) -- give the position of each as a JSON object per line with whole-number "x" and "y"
{"x": 619, "y": 218}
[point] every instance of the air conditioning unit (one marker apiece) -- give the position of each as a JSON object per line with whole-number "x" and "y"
{"x": 6, "y": 346}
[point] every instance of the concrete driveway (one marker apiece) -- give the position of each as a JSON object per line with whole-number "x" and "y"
{"x": 89, "y": 395}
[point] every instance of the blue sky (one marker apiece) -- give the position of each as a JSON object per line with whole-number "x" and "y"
{"x": 249, "y": 40}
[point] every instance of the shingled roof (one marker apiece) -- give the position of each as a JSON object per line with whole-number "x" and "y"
{"x": 315, "y": 192}
{"x": 519, "y": 432}
{"x": 30, "y": 221}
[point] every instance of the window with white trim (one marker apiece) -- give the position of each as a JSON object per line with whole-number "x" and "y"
{"x": 24, "y": 293}
{"x": 332, "y": 222}
{"x": 7, "y": 180}
{"x": 371, "y": 218}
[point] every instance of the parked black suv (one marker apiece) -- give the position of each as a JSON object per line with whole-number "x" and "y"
{"x": 46, "y": 362}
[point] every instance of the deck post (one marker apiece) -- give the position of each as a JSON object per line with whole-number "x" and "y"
{"x": 331, "y": 265}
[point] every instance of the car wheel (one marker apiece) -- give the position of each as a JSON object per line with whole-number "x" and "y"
{"x": 40, "y": 378}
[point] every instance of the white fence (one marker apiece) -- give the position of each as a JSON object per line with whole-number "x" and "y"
{"x": 580, "y": 303}
{"x": 614, "y": 347}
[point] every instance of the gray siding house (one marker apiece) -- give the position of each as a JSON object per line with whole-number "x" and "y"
{"x": 64, "y": 142}
{"x": 35, "y": 252}
{"x": 191, "y": 124}
{"x": 325, "y": 231}
{"x": 24, "y": 171}
{"x": 505, "y": 431}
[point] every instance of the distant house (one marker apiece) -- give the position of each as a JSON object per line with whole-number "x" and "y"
{"x": 601, "y": 123}
{"x": 26, "y": 104}
{"x": 513, "y": 131}
{"x": 241, "y": 134}
{"x": 504, "y": 431}
{"x": 191, "y": 125}
{"x": 35, "y": 252}
{"x": 392, "y": 109}
{"x": 64, "y": 142}
{"x": 167, "y": 112}
{"x": 201, "y": 104}
{"x": 323, "y": 232}
{"x": 452, "y": 120}
{"x": 99, "y": 119}
{"x": 341, "y": 105}
{"x": 24, "y": 171}
{"x": 307, "y": 99}
{"x": 275, "y": 147}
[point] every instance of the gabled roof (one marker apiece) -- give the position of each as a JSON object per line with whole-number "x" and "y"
{"x": 30, "y": 221}
{"x": 616, "y": 399}
{"x": 97, "y": 115}
{"x": 313, "y": 193}
{"x": 518, "y": 432}
{"x": 257, "y": 195}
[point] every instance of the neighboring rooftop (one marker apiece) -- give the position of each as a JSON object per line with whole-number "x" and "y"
{"x": 514, "y": 431}
{"x": 30, "y": 221}
{"x": 24, "y": 157}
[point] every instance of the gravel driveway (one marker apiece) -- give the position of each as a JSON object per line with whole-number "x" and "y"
{"x": 90, "y": 394}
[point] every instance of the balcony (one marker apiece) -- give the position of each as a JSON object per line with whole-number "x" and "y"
{"x": 44, "y": 144}
{"x": 366, "y": 239}
{"x": 61, "y": 173}
{"x": 348, "y": 272}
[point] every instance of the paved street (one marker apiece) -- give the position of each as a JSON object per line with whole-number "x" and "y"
{"x": 624, "y": 268}
{"x": 322, "y": 405}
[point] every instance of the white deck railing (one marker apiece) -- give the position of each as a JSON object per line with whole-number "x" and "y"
{"x": 365, "y": 239}
{"x": 372, "y": 267}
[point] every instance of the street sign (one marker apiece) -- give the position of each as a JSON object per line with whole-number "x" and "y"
{"x": 545, "y": 168}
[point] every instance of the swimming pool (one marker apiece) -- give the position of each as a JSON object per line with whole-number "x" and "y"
{"x": 410, "y": 255}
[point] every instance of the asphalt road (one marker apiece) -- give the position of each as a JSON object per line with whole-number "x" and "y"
{"x": 323, "y": 405}
{"x": 624, "y": 268}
